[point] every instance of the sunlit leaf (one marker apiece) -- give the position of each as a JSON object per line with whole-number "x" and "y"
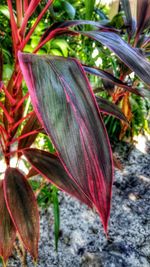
{"x": 64, "y": 103}
{"x": 62, "y": 45}
{"x": 69, "y": 9}
{"x": 89, "y": 7}
{"x": 126, "y": 109}
{"x": 5, "y": 11}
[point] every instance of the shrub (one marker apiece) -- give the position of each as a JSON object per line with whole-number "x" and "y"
{"x": 65, "y": 109}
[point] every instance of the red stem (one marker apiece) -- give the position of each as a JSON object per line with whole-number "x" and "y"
{"x": 21, "y": 120}
{"x": 35, "y": 24}
{"x": 3, "y": 137}
{"x": 19, "y": 12}
{"x": 9, "y": 118}
{"x": 50, "y": 37}
{"x": 3, "y": 149}
{"x": 13, "y": 152}
{"x": 11, "y": 99}
{"x": 20, "y": 102}
{"x": 26, "y": 4}
{"x": 32, "y": 6}
{"x": 23, "y": 136}
{"x": 14, "y": 29}
{"x": 2, "y": 129}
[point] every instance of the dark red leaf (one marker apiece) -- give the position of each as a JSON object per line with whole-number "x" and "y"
{"x": 129, "y": 55}
{"x": 50, "y": 166}
{"x": 130, "y": 22}
{"x": 32, "y": 172}
{"x": 70, "y": 23}
{"x": 108, "y": 76}
{"x": 7, "y": 229}
{"x": 143, "y": 15}
{"x": 65, "y": 104}
{"x": 110, "y": 108}
{"x": 62, "y": 27}
{"x": 23, "y": 209}
{"x": 24, "y": 136}
{"x": 52, "y": 35}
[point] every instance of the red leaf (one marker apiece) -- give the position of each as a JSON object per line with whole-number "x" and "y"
{"x": 70, "y": 23}
{"x": 23, "y": 208}
{"x": 110, "y": 108}
{"x": 32, "y": 172}
{"x": 7, "y": 229}
{"x": 64, "y": 103}
{"x": 59, "y": 28}
{"x": 49, "y": 165}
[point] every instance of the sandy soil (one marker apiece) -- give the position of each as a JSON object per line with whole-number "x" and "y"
{"x": 82, "y": 241}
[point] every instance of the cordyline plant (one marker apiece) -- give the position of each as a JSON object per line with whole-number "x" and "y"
{"x": 64, "y": 108}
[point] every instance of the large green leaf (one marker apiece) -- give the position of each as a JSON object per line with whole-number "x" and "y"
{"x": 23, "y": 208}
{"x": 65, "y": 105}
{"x": 89, "y": 7}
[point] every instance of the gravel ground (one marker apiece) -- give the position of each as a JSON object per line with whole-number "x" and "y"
{"x": 82, "y": 241}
